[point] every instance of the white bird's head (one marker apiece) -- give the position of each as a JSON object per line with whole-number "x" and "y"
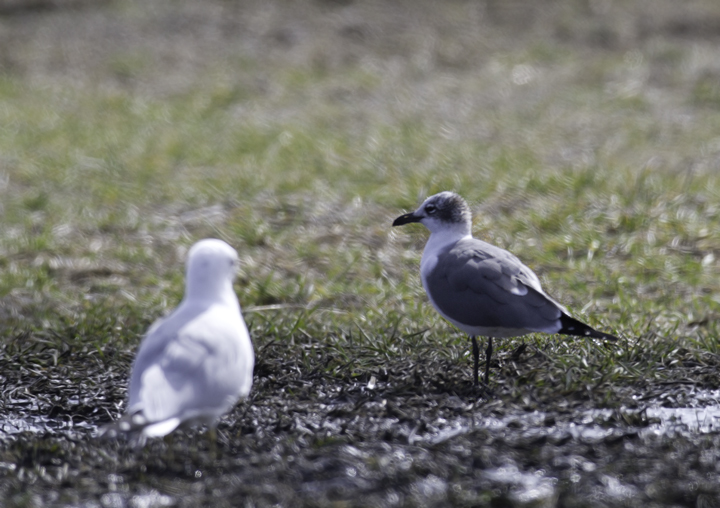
{"x": 211, "y": 268}
{"x": 442, "y": 212}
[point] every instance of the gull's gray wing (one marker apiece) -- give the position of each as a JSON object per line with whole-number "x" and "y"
{"x": 481, "y": 285}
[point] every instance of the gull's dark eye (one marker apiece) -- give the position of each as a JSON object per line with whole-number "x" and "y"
{"x": 431, "y": 209}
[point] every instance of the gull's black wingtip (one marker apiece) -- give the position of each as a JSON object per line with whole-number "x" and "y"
{"x": 571, "y": 326}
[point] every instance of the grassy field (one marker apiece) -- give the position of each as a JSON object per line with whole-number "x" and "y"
{"x": 585, "y": 136}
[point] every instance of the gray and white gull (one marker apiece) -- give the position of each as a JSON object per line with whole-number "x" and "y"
{"x": 480, "y": 288}
{"x": 194, "y": 365}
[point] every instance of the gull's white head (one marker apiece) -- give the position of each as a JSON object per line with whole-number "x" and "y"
{"x": 211, "y": 268}
{"x": 445, "y": 211}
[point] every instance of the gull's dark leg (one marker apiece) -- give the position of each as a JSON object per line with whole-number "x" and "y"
{"x": 476, "y": 359}
{"x": 212, "y": 442}
{"x": 170, "y": 442}
{"x": 488, "y": 356}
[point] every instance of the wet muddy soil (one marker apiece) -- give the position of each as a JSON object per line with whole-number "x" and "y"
{"x": 316, "y": 432}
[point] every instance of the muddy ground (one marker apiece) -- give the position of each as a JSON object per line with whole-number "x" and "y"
{"x": 412, "y": 432}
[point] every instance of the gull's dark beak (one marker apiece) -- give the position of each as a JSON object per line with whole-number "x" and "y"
{"x": 406, "y": 219}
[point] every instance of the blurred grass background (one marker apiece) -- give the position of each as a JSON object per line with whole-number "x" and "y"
{"x": 584, "y": 134}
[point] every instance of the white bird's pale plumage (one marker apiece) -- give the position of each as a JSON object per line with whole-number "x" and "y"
{"x": 482, "y": 289}
{"x": 194, "y": 365}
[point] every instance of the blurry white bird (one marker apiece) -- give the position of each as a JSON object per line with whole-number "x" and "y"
{"x": 195, "y": 364}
